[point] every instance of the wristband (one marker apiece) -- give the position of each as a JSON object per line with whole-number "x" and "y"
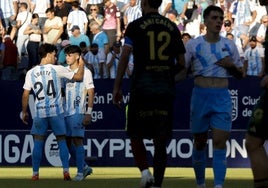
{"x": 89, "y": 110}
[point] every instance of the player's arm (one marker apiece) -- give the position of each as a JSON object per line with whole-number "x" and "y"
{"x": 122, "y": 66}
{"x": 227, "y": 63}
{"x": 25, "y": 99}
{"x": 87, "y": 118}
{"x": 80, "y": 73}
{"x": 181, "y": 71}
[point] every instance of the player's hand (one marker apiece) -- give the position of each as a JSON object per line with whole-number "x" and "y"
{"x": 24, "y": 117}
{"x": 226, "y": 62}
{"x": 86, "y": 120}
{"x": 117, "y": 98}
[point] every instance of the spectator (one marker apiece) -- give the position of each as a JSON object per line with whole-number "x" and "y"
{"x": 259, "y": 30}
{"x": 254, "y": 59}
{"x": 178, "y": 5}
{"x": 22, "y": 21}
{"x": 111, "y": 25}
{"x": 185, "y": 38}
{"x": 94, "y": 62}
{"x": 61, "y": 60}
{"x": 173, "y": 16}
{"x": 101, "y": 39}
{"x": 243, "y": 13}
{"x": 39, "y": 7}
{"x": 113, "y": 59}
{"x": 133, "y": 12}
{"x": 35, "y": 35}
{"x": 53, "y": 28}
{"x": 62, "y": 11}
{"x": 86, "y": 4}
{"x": 166, "y": 5}
{"x": 77, "y": 17}
{"x": 77, "y": 37}
{"x": 10, "y": 10}
{"x": 94, "y": 16}
{"x": 9, "y": 55}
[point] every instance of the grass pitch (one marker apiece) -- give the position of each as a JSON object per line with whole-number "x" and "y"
{"x": 111, "y": 177}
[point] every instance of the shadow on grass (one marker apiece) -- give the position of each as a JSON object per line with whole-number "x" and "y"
{"x": 169, "y": 182}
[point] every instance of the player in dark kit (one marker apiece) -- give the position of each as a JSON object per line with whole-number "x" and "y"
{"x": 158, "y": 55}
{"x": 257, "y": 132}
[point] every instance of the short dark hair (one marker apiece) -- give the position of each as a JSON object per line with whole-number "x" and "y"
{"x": 50, "y": 10}
{"x": 211, "y": 8}
{"x": 155, "y": 3}
{"x": 23, "y": 4}
{"x": 45, "y": 49}
{"x": 72, "y": 49}
{"x": 35, "y": 15}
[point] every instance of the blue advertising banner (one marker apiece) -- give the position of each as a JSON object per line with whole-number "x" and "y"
{"x": 105, "y": 140}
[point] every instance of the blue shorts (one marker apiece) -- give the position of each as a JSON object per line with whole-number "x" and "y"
{"x": 210, "y": 108}
{"x": 74, "y": 125}
{"x": 56, "y": 123}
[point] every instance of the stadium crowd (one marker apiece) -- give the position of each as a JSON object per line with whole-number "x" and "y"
{"x": 97, "y": 26}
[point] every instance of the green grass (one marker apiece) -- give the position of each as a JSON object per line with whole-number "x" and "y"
{"x": 110, "y": 177}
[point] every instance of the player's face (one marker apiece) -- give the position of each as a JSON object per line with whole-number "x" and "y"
{"x": 214, "y": 22}
{"x": 72, "y": 58}
{"x": 51, "y": 57}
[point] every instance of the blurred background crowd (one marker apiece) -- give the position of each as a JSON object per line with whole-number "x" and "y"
{"x": 98, "y": 26}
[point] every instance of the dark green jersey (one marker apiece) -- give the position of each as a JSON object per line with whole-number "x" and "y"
{"x": 156, "y": 41}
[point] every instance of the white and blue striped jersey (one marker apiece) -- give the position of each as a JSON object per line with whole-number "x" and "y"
{"x": 254, "y": 58}
{"x": 95, "y": 61}
{"x": 133, "y": 13}
{"x": 113, "y": 68}
{"x": 7, "y": 7}
{"x": 46, "y": 83}
{"x": 76, "y": 93}
{"x": 202, "y": 56}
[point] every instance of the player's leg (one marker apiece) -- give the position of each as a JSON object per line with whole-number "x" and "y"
{"x": 199, "y": 158}
{"x": 140, "y": 156}
{"x": 255, "y": 138}
{"x": 258, "y": 159}
{"x": 37, "y": 155}
{"x": 221, "y": 123}
{"x": 219, "y": 162}
{"x": 159, "y": 160}
{"x": 58, "y": 127}
{"x": 200, "y": 107}
{"x": 39, "y": 129}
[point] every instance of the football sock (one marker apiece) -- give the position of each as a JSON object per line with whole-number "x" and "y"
{"x": 72, "y": 151}
{"x": 219, "y": 166}
{"x": 64, "y": 153}
{"x": 80, "y": 155}
{"x": 159, "y": 161}
{"x": 199, "y": 165}
{"x": 139, "y": 153}
{"x": 37, "y": 154}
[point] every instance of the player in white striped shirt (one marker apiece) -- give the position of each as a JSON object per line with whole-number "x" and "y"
{"x": 78, "y": 108}
{"x": 45, "y": 81}
{"x": 213, "y": 59}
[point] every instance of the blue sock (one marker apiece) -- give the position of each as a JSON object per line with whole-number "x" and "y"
{"x": 72, "y": 151}
{"x": 37, "y": 154}
{"x": 199, "y": 165}
{"x": 219, "y": 166}
{"x": 80, "y": 155}
{"x": 64, "y": 154}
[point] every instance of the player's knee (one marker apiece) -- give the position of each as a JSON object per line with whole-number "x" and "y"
{"x": 200, "y": 141}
